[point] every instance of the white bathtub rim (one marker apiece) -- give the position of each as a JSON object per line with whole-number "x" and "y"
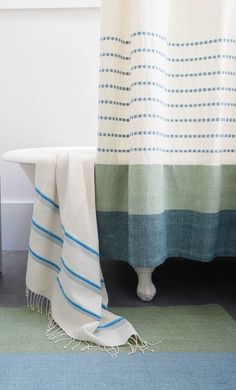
{"x": 32, "y": 155}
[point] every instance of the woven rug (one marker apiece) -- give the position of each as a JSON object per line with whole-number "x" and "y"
{"x": 97, "y": 371}
{"x": 196, "y": 328}
{"x": 198, "y": 352}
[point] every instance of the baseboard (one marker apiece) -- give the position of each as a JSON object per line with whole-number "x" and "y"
{"x": 16, "y": 222}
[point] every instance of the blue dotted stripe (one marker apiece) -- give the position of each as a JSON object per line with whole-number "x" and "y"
{"x": 171, "y": 105}
{"x": 169, "y": 90}
{"x": 165, "y": 119}
{"x": 167, "y": 74}
{"x": 115, "y": 71}
{"x": 181, "y": 120}
{"x": 182, "y": 105}
{"x": 175, "y": 59}
{"x": 114, "y": 103}
{"x": 156, "y": 149}
{"x": 169, "y": 43}
{"x": 115, "y": 39}
{"x": 181, "y": 90}
{"x": 182, "y": 44}
{"x": 115, "y": 55}
{"x": 183, "y": 75}
{"x": 113, "y": 135}
{"x": 112, "y": 86}
{"x": 168, "y": 59}
{"x": 164, "y": 135}
{"x": 113, "y": 118}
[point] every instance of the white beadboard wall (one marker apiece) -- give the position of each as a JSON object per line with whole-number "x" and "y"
{"x": 49, "y": 90}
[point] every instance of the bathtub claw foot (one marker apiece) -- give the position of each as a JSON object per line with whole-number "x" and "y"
{"x": 146, "y": 290}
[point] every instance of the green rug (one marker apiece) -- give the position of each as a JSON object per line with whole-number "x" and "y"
{"x": 203, "y": 328}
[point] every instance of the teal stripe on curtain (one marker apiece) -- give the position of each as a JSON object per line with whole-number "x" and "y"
{"x": 147, "y": 240}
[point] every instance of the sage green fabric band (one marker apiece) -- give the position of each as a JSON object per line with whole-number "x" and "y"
{"x": 152, "y": 189}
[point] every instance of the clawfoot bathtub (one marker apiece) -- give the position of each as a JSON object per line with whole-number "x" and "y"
{"x": 27, "y": 159}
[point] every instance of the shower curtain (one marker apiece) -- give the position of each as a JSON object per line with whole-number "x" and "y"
{"x": 166, "y": 157}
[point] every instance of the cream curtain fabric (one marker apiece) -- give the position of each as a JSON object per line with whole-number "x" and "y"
{"x": 165, "y": 172}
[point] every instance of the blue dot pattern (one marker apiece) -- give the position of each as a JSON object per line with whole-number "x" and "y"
{"x": 159, "y": 96}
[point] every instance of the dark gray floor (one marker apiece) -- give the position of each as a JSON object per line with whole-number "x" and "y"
{"x": 178, "y": 282}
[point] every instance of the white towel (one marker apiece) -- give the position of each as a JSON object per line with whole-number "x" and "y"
{"x": 63, "y": 263}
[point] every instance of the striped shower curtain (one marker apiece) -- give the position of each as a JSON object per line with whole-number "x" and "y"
{"x": 166, "y": 160}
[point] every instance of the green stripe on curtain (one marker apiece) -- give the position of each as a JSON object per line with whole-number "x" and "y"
{"x": 155, "y": 188}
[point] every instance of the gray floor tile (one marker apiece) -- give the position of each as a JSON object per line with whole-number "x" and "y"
{"x": 178, "y": 282}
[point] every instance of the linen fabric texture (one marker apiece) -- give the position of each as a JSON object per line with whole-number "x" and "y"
{"x": 165, "y": 169}
{"x": 63, "y": 263}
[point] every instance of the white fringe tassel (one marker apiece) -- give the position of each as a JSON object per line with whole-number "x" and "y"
{"x": 37, "y": 302}
{"x": 54, "y": 333}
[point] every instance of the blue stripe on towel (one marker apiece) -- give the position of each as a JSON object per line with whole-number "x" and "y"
{"x": 77, "y": 275}
{"x": 45, "y": 197}
{"x": 105, "y": 307}
{"x": 68, "y": 235}
{"x": 44, "y": 261}
{"x": 109, "y": 324}
{"x": 75, "y": 304}
{"x": 43, "y": 229}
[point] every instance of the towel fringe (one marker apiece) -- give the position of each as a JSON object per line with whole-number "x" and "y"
{"x": 55, "y": 333}
{"x": 37, "y": 302}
